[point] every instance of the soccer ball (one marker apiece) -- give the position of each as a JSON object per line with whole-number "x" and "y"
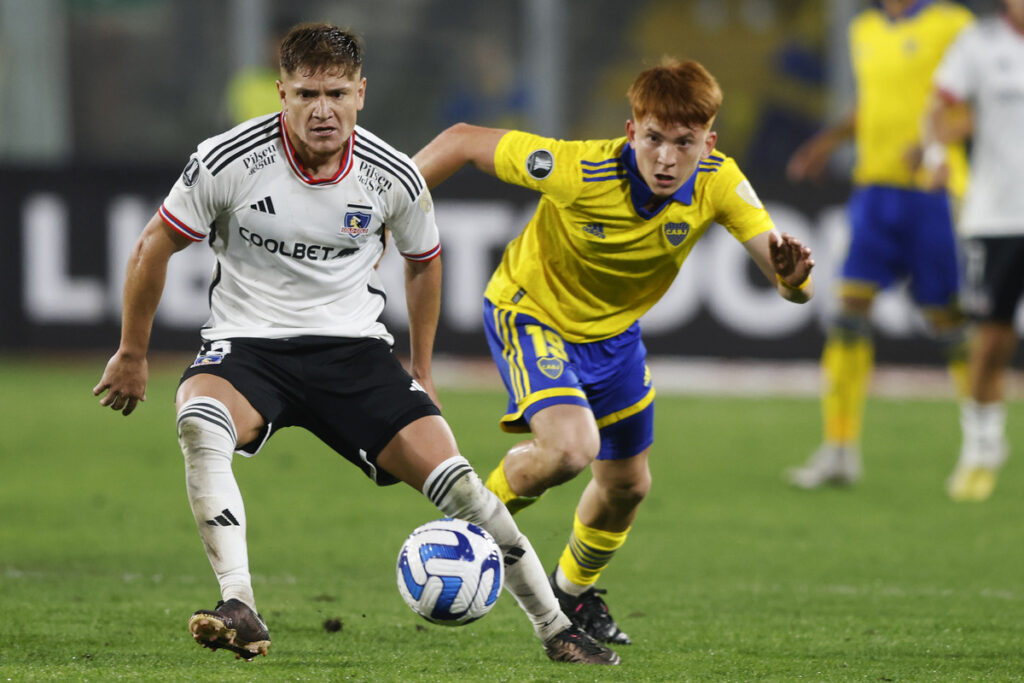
{"x": 450, "y": 572}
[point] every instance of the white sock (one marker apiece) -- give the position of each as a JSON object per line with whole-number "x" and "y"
{"x": 984, "y": 433}
{"x": 457, "y": 491}
{"x": 567, "y": 586}
{"x": 206, "y": 434}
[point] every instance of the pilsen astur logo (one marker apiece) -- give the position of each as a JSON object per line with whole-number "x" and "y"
{"x": 261, "y": 158}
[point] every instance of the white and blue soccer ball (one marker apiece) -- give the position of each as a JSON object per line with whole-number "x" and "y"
{"x": 450, "y": 572}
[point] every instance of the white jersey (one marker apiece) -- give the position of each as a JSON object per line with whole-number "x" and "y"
{"x": 296, "y": 254}
{"x": 985, "y": 67}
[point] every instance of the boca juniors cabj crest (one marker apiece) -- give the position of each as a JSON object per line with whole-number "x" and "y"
{"x": 676, "y": 233}
{"x": 550, "y": 366}
{"x": 356, "y": 223}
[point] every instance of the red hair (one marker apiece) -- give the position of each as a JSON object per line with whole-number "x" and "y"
{"x": 676, "y": 92}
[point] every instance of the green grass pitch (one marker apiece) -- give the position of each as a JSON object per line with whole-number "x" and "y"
{"x": 728, "y": 574}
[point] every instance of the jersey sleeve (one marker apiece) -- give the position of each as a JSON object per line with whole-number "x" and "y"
{"x": 413, "y": 225}
{"x": 737, "y": 207}
{"x": 956, "y": 76}
{"x": 194, "y": 201}
{"x": 544, "y": 164}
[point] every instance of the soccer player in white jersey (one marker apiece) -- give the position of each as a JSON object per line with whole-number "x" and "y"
{"x": 294, "y": 205}
{"x": 979, "y": 91}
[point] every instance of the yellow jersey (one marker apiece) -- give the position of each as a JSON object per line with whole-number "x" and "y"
{"x": 893, "y": 61}
{"x": 592, "y": 260}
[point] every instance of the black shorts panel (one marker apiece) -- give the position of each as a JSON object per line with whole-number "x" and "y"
{"x": 995, "y": 277}
{"x": 353, "y": 394}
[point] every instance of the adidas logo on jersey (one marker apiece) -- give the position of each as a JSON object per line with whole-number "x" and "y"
{"x": 266, "y": 205}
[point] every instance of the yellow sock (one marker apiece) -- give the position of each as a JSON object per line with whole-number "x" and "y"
{"x": 961, "y": 383}
{"x": 847, "y": 365}
{"x": 498, "y": 483}
{"x": 588, "y": 552}
{"x": 956, "y": 348}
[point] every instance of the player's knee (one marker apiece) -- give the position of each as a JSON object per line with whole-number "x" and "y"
{"x": 457, "y": 491}
{"x": 570, "y": 449}
{"x": 205, "y": 427}
{"x": 855, "y": 300}
{"x": 572, "y": 457}
{"x": 849, "y": 325}
{"x": 945, "y": 322}
{"x": 626, "y": 494}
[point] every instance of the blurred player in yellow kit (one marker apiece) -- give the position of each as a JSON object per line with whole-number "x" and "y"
{"x": 900, "y": 215}
{"x": 615, "y": 221}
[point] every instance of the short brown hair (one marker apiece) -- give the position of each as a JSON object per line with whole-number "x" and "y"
{"x": 313, "y": 48}
{"x": 676, "y": 92}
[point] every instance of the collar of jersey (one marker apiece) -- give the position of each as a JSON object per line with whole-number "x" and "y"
{"x": 914, "y": 9}
{"x": 300, "y": 170}
{"x": 641, "y": 193}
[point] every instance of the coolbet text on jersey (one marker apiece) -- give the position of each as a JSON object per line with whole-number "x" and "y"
{"x": 310, "y": 262}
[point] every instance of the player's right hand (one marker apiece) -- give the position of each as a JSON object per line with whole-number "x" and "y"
{"x": 124, "y": 382}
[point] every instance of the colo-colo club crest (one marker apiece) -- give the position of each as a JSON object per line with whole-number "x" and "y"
{"x": 356, "y": 223}
{"x": 676, "y": 233}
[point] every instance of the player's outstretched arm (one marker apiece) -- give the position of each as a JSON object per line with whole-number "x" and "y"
{"x": 809, "y": 160}
{"x": 124, "y": 379}
{"x": 785, "y": 262}
{"x": 455, "y": 147}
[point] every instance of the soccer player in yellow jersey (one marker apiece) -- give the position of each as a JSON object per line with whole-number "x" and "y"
{"x": 615, "y": 221}
{"x": 901, "y": 225}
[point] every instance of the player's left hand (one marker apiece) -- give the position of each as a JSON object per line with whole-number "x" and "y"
{"x": 791, "y": 260}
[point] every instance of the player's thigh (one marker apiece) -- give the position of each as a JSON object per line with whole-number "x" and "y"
{"x": 534, "y": 365}
{"x": 933, "y": 256}
{"x": 222, "y": 371}
{"x": 417, "y": 449}
{"x": 567, "y": 430}
{"x": 875, "y": 254}
{"x": 621, "y": 392}
{"x": 248, "y": 421}
{"x": 995, "y": 278}
{"x": 358, "y": 399}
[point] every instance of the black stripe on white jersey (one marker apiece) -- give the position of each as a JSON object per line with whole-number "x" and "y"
{"x": 382, "y": 165}
{"x": 388, "y": 155}
{"x": 245, "y": 150}
{"x": 402, "y": 171}
{"x": 256, "y": 129}
{"x": 378, "y": 292}
{"x": 408, "y": 170}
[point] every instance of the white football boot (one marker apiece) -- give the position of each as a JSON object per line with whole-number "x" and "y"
{"x": 830, "y": 464}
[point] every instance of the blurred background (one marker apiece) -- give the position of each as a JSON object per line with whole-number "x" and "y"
{"x": 103, "y": 101}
